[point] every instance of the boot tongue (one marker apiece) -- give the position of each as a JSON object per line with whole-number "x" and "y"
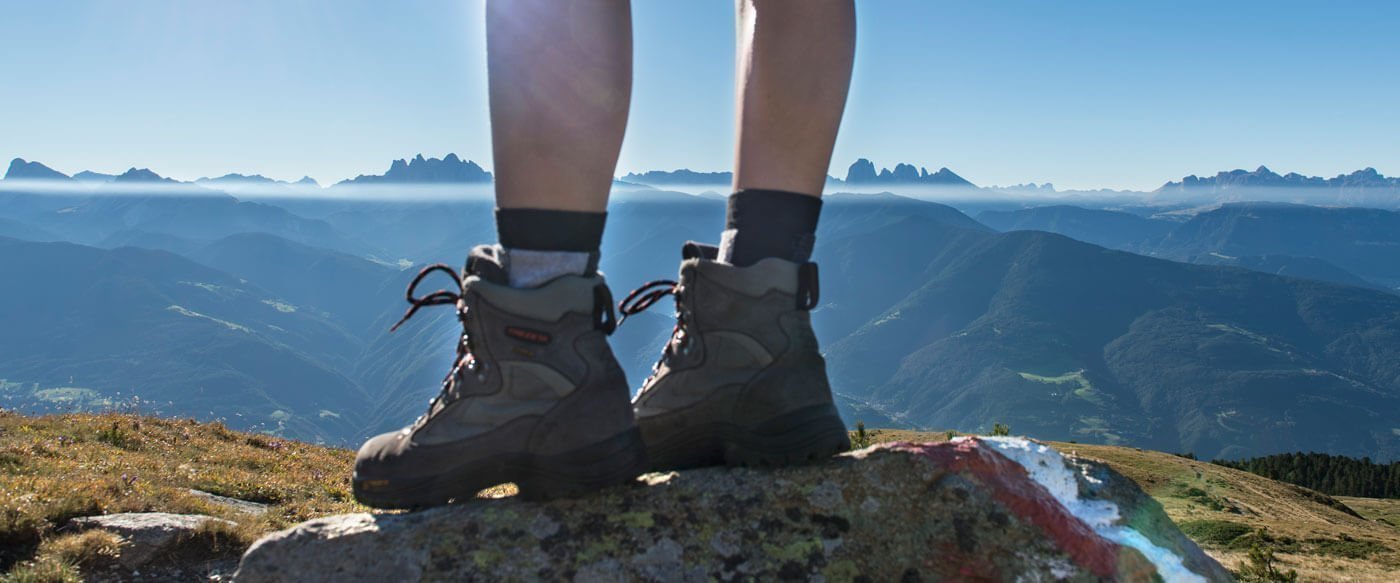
{"x": 693, "y": 250}
{"x": 487, "y": 262}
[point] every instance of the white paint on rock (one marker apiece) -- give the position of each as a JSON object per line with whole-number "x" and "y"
{"x": 1049, "y": 469}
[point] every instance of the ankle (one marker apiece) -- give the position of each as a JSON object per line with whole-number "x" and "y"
{"x": 769, "y": 223}
{"x": 542, "y": 245}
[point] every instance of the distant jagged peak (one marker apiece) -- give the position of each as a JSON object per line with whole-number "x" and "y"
{"x": 309, "y": 181}
{"x": 863, "y": 171}
{"x": 419, "y": 170}
{"x": 23, "y": 170}
{"x": 142, "y": 175}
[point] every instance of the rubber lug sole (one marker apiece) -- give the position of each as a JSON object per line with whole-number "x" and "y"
{"x": 802, "y": 436}
{"x": 615, "y": 461}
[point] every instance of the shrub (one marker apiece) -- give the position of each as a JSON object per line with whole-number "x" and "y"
{"x": 1219, "y": 533}
{"x": 1345, "y": 546}
{"x": 1261, "y": 568}
{"x": 860, "y": 439}
{"x": 1001, "y": 429}
{"x": 115, "y": 436}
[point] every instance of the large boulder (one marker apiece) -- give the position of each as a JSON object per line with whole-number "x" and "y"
{"x": 998, "y": 509}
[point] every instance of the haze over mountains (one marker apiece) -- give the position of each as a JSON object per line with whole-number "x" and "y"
{"x": 1197, "y": 324}
{"x": 1364, "y": 187}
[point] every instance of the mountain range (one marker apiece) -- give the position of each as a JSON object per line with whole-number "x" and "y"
{"x": 1235, "y": 330}
{"x": 1262, "y": 177}
{"x": 1365, "y": 187}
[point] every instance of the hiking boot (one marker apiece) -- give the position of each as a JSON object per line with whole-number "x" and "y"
{"x": 741, "y": 381}
{"x": 535, "y": 397}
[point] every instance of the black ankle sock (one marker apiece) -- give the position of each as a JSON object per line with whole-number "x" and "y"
{"x": 549, "y": 230}
{"x": 769, "y": 223}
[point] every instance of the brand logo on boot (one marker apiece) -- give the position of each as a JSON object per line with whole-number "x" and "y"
{"x": 527, "y": 335}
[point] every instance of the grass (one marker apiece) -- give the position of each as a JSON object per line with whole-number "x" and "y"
{"x": 54, "y": 468}
{"x": 1385, "y": 511}
{"x": 57, "y": 467}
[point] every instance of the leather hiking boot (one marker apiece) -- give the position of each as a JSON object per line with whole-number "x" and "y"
{"x": 741, "y": 381}
{"x": 535, "y": 397}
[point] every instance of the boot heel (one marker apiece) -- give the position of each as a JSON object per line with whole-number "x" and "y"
{"x": 807, "y": 435}
{"x": 611, "y": 462}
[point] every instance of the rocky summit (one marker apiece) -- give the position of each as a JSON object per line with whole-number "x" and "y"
{"x": 986, "y": 509}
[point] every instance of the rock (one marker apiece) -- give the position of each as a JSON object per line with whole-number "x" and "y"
{"x": 147, "y": 535}
{"x": 971, "y": 509}
{"x": 244, "y": 506}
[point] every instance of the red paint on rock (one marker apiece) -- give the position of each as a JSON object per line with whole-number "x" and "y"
{"x": 1013, "y": 488}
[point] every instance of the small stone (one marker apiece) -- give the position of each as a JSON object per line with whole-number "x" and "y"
{"x": 725, "y": 544}
{"x": 147, "y": 534}
{"x": 825, "y": 496}
{"x": 870, "y": 506}
{"x": 542, "y": 527}
{"x": 244, "y": 506}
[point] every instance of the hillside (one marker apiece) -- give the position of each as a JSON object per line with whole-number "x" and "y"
{"x": 1362, "y": 241}
{"x": 1067, "y": 340}
{"x": 1224, "y": 510}
{"x": 1106, "y": 228}
{"x": 91, "y": 328}
{"x": 1216, "y": 237}
{"x": 311, "y": 277}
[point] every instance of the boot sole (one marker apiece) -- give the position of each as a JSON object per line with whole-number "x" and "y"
{"x": 807, "y": 435}
{"x": 611, "y": 462}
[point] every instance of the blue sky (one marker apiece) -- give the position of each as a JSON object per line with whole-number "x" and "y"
{"x": 1083, "y": 94}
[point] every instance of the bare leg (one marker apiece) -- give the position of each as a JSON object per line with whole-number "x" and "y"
{"x": 560, "y": 85}
{"x": 794, "y": 71}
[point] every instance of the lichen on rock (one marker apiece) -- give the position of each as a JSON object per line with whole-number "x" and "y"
{"x": 967, "y": 509}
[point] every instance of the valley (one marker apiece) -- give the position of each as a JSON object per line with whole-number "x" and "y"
{"x": 273, "y": 315}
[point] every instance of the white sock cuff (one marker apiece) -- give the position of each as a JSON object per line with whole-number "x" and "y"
{"x": 529, "y": 268}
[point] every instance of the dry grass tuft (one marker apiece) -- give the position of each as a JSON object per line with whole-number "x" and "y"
{"x": 86, "y": 550}
{"x": 42, "y": 571}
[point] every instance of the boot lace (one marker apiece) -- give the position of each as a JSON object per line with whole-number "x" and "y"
{"x": 644, "y": 297}
{"x": 465, "y": 359}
